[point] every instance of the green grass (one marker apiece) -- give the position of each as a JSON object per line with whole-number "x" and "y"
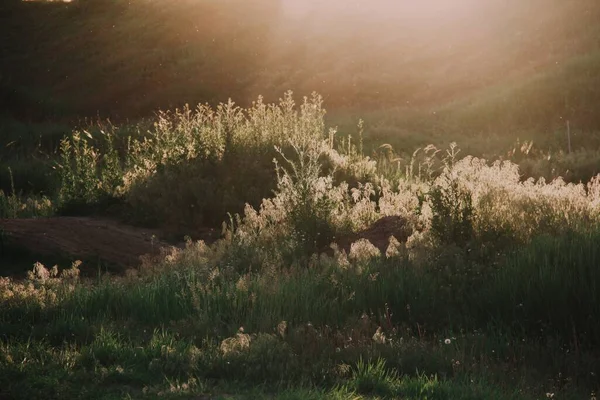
{"x": 111, "y": 376}
{"x": 493, "y": 121}
{"x": 174, "y": 331}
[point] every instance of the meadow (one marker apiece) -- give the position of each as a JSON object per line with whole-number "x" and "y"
{"x": 484, "y": 287}
{"x": 491, "y": 293}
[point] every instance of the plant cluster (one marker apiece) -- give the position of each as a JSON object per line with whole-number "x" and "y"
{"x": 495, "y": 273}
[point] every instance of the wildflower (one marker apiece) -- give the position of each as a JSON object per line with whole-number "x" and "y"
{"x": 447, "y": 341}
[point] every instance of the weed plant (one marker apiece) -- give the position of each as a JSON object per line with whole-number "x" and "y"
{"x": 15, "y": 205}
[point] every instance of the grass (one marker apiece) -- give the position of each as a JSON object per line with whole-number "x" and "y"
{"x": 172, "y": 332}
{"x": 15, "y": 205}
{"x": 497, "y": 120}
{"x": 59, "y": 383}
{"x": 478, "y": 302}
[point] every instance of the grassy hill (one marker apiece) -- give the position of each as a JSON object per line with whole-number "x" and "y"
{"x": 491, "y": 77}
{"x": 535, "y": 107}
{"x": 130, "y": 58}
{"x": 350, "y": 266}
{"x": 126, "y": 58}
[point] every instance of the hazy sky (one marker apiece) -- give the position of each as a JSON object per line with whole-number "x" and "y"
{"x": 385, "y": 8}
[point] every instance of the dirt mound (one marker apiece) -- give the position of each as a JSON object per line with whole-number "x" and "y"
{"x": 379, "y": 233}
{"x": 84, "y": 238}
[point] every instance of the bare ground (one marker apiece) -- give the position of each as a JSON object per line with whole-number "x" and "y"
{"x": 80, "y": 237}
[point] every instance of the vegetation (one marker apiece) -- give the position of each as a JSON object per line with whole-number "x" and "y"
{"x": 412, "y": 83}
{"x": 493, "y": 294}
{"x": 359, "y": 259}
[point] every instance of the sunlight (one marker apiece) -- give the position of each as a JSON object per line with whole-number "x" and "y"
{"x": 299, "y": 199}
{"x": 387, "y": 9}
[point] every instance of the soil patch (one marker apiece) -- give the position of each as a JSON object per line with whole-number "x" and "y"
{"x": 104, "y": 240}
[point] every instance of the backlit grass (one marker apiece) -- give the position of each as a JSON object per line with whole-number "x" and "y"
{"x": 492, "y": 295}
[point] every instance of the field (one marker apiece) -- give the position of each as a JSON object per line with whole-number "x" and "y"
{"x": 418, "y": 219}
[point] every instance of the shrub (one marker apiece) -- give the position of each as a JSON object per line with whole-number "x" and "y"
{"x": 88, "y": 175}
{"x": 452, "y": 211}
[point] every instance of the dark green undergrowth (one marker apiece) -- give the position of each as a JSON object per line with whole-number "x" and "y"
{"x": 382, "y": 328}
{"x": 533, "y": 290}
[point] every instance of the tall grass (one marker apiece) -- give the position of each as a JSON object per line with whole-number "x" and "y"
{"x": 466, "y": 218}
{"x": 488, "y": 271}
{"x": 315, "y": 324}
{"x": 15, "y": 205}
{"x": 193, "y": 166}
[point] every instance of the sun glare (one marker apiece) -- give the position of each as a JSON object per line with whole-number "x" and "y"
{"x": 392, "y": 9}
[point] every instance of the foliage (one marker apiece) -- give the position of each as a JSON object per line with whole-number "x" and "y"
{"x": 451, "y": 206}
{"x": 280, "y": 302}
{"x": 88, "y": 177}
{"x": 15, "y": 205}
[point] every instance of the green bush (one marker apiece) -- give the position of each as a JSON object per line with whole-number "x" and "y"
{"x": 191, "y": 167}
{"x": 89, "y": 176}
{"x": 452, "y": 212}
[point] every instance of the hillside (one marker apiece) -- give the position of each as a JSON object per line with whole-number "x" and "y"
{"x": 129, "y": 59}
{"x": 423, "y": 226}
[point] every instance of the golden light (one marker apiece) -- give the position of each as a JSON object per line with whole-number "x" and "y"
{"x": 387, "y": 9}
